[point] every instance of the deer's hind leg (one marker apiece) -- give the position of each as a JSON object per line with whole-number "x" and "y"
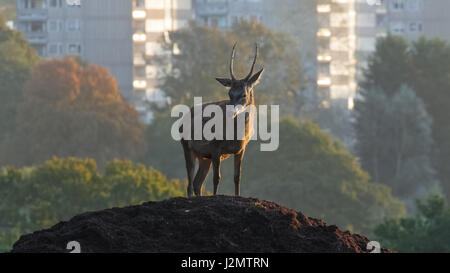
{"x": 189, "y": 156}
{"x": 202, "y": 173}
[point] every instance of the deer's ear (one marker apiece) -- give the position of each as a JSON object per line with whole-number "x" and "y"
{"x": 224, "y": 82}
{"x": 254, "y": 80}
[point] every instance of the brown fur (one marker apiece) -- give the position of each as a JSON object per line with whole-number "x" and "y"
{"x": 213, "y": 152}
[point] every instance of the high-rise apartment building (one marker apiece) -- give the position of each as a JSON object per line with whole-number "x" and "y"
{"x": 99, "y": 31}
{"x": 152, "y": 21}
{"x": 370, "y": 25}
{"x": 122, "y": 35}
{"x": 414, "y": 18}
{"x": 336, "y": 40}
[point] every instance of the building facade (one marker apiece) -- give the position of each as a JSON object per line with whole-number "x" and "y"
{"x": 222, "y": 13}
{"x": 123, "y": 36}
{"x": 336, "y": 40}
{"x": 152, "y": 22}
{"x": 98, "y": 31}
{"x": 414, "y": 18}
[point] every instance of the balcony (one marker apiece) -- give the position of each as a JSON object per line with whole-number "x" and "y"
{"x": 324, "y": 81}
{"x": 139, "y": 58}
{"x": 209, "y": 9}
{"x": 324, "y": 32}
{"x": 36, "y": 37}
{"x": 32, "y": 15}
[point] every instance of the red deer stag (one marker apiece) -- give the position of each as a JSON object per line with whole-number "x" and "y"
{"x": 212, "y": 152}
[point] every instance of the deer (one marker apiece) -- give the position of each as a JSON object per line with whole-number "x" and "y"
{"x": 213, "y": 152}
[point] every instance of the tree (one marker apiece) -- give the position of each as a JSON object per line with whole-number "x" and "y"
{"x": 427, "y": 232}
{"x": 72, "y": 110}
{"x": 431, "y": 80}
{"x": 39, "y": 197}
{"x": 317, "y": 176}
{"x": 126, "y": 184}
{"x": 17, "y": 60}
{"x": 313, "y": 174}
{"x": 163, "y": 152}
{"x": 394, "y": 141}
{"x": 8, "y": 9}
{"x": 389, "y": 67}
{"x": 204, "y": 54}
{"x": 424, "y": 65}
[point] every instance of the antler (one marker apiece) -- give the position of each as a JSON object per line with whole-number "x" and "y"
{"x": 232, "y": 62}
{"x": 254, "y": 62}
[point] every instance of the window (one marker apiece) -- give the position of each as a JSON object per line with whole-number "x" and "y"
{"x": 73, "y": 25}
{"x": 54, "y": 25}
{"x": 55, "y": 49}
{"x": 381, "y": 20}
{"x": 339, "y": 20}
{"x": 366, "y": 20}
{"x": 339, "y": 44}
{"x": 55, "y": 3}
{"x": 338, "y": 68}
{"x": 74, "y": 49}
{"x": 154, "y": 4}
{"x": 37, "y": 27}
{"x": 139, "y": 3}
{"x": 414, "y": 5}
{"x": 36, "y": 4}
{"x": 397, "y": 5}
{"x": 139, "y": 26}
{"x": 182, "y": 4}
{"x": 398, "y": 28}
{"x": 154, "y": 25}
{"x": 139, "y": 71}
{"x": 415, "y": 27}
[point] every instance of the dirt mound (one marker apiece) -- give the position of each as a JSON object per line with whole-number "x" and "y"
{"x": 205, "y": 224}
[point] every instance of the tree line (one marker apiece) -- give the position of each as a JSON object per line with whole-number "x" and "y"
{"x": 72, "y": 110}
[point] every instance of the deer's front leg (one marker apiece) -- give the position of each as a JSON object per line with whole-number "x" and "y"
{"x": 237, "y": 172}
{"x": 216, "y": 169}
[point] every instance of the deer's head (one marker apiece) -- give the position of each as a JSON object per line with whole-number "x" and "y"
{"x": 241, "y": 91}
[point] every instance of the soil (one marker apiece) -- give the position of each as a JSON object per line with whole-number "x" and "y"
{"x": 201, "y": 224}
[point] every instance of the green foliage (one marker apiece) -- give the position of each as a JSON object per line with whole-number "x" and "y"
{"x": 427, "y": 232}
{"x": 424, "y": 65}
{"x": 204, "y": 54}
{"x": 395, "y": 141}
{"x": 163, "y": 152}
{"x": 127, "y": 184}
{"x": 312, "y": 174}
{"x": 39, "y": 197}
{"x": 389, "y": 67}
{"x": 317, "y": 176}
{"x": 17, "y": 60}
{"x": 431, "y": 80}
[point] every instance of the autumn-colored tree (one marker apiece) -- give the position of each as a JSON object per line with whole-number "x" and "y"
{"x": 72, "y": 110}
